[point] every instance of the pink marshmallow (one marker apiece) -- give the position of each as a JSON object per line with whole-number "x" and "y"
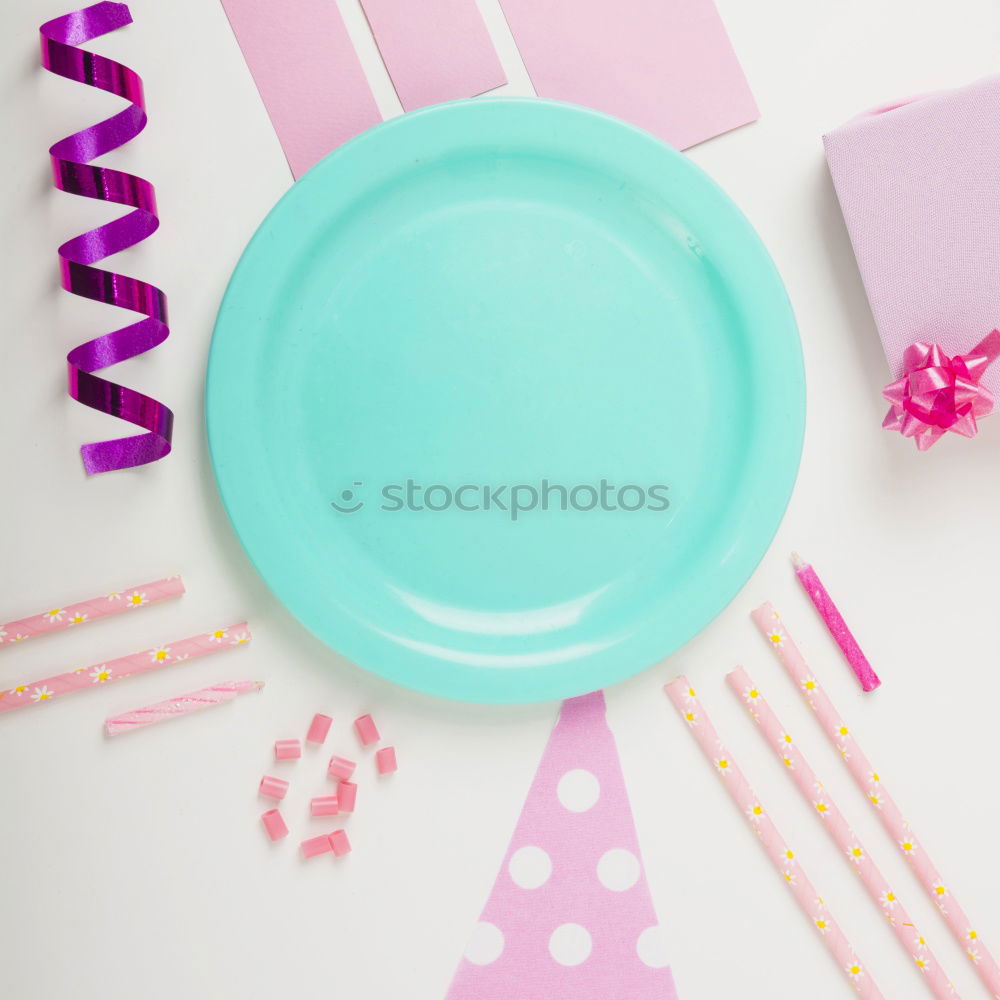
{"x": 367, "y": 730}
{"x": 385, "y": 760}
{"x": 273, "y": 788}
{"x": 274, "y": 824}
{"x": 339, "y": 843}
{"x": 325, "y": 805}
{"x": 347, "y": 794}
{"x": 318, "y": 728}
{"x": 315, "y": 846}
{"x": 341, "y": 768}
{"x": 287, "y": 749}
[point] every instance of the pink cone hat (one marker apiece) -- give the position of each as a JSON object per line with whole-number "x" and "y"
{"x": 570, "y": 916}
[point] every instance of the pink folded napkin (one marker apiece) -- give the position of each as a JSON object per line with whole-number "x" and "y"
{"x": 919, "y": 185}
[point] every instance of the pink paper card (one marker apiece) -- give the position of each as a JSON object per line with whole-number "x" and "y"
{"x": 664, "y": 65}
{"x": 434, "y": 50}
{"x": 308, "y": 74}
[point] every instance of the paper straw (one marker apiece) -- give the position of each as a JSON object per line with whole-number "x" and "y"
{"x": 830, "y": 816}
{"x": 46, "y": 690}
{"x": 834, "y": 621}
{"x": 784, "y": 860}
{"x": 870, "y": 782}
{"x": 115, "y": 603}
{"x": 185, "y": 704}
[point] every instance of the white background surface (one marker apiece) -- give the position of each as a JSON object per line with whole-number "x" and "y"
{"x": 137, "y": 868}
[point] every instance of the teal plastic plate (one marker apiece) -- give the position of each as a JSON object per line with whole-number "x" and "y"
{"x": 505, "y": 400}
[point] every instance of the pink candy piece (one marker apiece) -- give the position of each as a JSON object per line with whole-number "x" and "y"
{"x": 325, "y": 805}
{"x": 367, "y": 730}
{"x": 315, "y": 846}
{"x": 318, "y": 728}
{"x": 339, "y": 843}
{"x": 287, "y": 749}
{"x": 347, "y": 794}
{"x": 273, "y": 788}
{"x": 341, "y": 768}
{"x": 274, "y": 824}
{"x": 385, "y": 760}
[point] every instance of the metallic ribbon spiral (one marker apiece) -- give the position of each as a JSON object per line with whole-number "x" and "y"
{"x": 72, "y": 171}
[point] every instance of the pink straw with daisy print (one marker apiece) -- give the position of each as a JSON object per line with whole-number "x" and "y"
{"x": 143, "y": 662}
{"x": 686, "y": 702}
{"x": 868, "y": 780}
{"x": 781, "y": 742}
{"x": 87, "y": 611}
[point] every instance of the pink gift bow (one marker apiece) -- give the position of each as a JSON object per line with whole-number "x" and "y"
{"x": 937, "y": 394}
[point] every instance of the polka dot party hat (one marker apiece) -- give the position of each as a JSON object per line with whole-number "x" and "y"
{"x": 570, "y": 916}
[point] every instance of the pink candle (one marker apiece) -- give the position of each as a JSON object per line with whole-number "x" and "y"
{"x": 835, "y": 623}
{"x": 185, "y": 704}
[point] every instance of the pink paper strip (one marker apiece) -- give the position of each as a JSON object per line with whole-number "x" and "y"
{"x": 570, "y": 916}
{"x": 308, "y": 74}
{"x": 38, "y": 692}
{"x": 87, "y": 611}
{"x": 664, "y": 65}
{"x": 435, "y": 50}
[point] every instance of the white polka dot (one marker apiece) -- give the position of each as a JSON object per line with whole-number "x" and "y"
{"x": 578, "y": 790}
{"x": 485, "y": 943}
{"x": 618, "y": 869}
{"x": 652, "y": 947}
{"x": 530, "y": 867}
{"x": 570, "y": 944}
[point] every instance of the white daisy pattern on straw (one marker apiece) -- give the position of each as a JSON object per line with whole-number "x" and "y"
{"x": 691, "y": 718}
{"x": 822, "y": 924}
{"x": 136, "y": 599}
{"x": 791, "y": 879}
{"x": 974, "y": 956}
{"x": 923, "y": 962}
{"x": 856, "y": 853}
{"x": 786, "y": 739}
{"x": 19, "y": 637}
{"x": 78, "y": 619}
{"x": 19, "y": 690}
{"x": 908, "y": 847}
{"x": 160, "y": 655}
{"x": 940, "y": 892}
{"x": 809, "y": 685}
{"x": 219, "y": 635}
{"x": 751, "y": 694}
{"x": 100, "y": 674}
{"x": 790, "y": 858}
{"x": 842, "y": 750}
{"x": 756, "y": 812}
{"x": 690, "y": 694}
{"x": 42, "y": 694}
{"x": 776, "y": 636}
{"x": 822, "y": 807}
{"x": 722, "y": 766}
{"x": 788, "y": 762}
{"x": 855, "y": 971}
{"x": 240, "y": 638}
{"x": 875, "y": 799}
{"x": 55, "y": 615}
{"x": 841, "y": 732}
{"x": 888, "y": 899}
{"x": 920, "y": 942}
{"x": 115, "y": 595}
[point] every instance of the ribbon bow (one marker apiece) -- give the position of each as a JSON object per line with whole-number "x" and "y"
{"x": 937, "y": 393}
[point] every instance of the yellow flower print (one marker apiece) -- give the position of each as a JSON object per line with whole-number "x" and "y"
{"x": 240, "y": 638}
{"x": 776, "y": 636}
{"x": 690, "y": 693}
{"x": 939, "y": 892}
{"x": 873, "y": 777}
{"x": 160, "y": 654}
{"x": 875, "y": 799}
{"x": 136, "y": 600}
{"x": 822, "y": 924}
{"x": 786, "y": 739}
{"x": 856, "y": 853}
{"x": 789, "y": 877}
{"x": 888, "y": 899}
{"x": 841, "y": 732}
{"x": 55, "y": 615}
{"x": 920, "y": 942}
{"x": 923, "y": 962}
{"x": 973, "y": 956}
{"x": 218, "y": 635}
{"x": 19, "y": 690}
{"x": 808, "y": 685}
{"x": 787, "y": 761}
{"x": 115, "y": 595}
{"x": 907, "y": 846}
{"x": 42, "y": 694}
{"x": 755, "y": 812}
{"x": 751, "y": 694}
{"x": 691, "y": 718}
{"x": 971, "y": 935}
{"x": 19, "y": 637}
{"x": 723, "y": 765}
{"x": 789, "y": 855}
{"x": 855, "y": 971}
{"x": 100, "y": 674}
{"x": 842, "y": 750}
{"x": 78, "y": 619}
{"x": 822, "y": 808}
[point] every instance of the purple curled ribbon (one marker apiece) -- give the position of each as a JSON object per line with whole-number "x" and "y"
{"x": 72, "y": 171}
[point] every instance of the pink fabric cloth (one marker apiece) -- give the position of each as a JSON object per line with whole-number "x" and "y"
{"x": 665, "y": 65}
{"x": 917, "y": 183}
{"x": 434, "y": 50}
{"x": 570, "y": 916}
